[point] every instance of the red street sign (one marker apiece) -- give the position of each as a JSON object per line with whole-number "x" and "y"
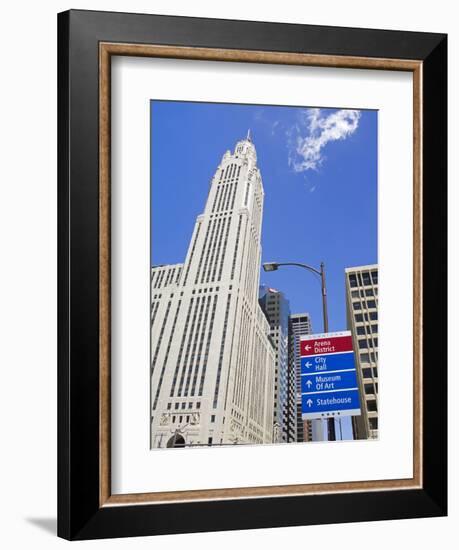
{"x": 322, "y": 346}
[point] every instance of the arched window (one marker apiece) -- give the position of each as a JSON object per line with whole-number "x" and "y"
{"x": 176, "y": 440}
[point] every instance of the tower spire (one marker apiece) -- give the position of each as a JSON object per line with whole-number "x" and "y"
{"x": 248, "y": 135}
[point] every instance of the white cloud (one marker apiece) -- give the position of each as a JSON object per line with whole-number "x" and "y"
{"x": 308, "y": 138}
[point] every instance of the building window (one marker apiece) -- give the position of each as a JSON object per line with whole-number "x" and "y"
{"x": 353, "y": 280}
{"x": 212, "y": 418}
{"x": 371, "y": 405}
{"x": 357, "y": 305}
{"x": 374, "y": 276}
{"x": 360, "y": 330}
{"x": 358, "y": 318}
{"x": 371, "y": 303}
{"x": 366, "y": 373}
{"x": 369, "y": 389}
{"x": 364, "y": 357}
{"x": 363, "y": 344}
{"x": 198, "y": 405}
{"x": 177, "y": 405}
{"x": 209, "y": 442}
{"x": 183, "y": 405}
{"x": 373, "y": 423}
{"x": 169, "y": 405}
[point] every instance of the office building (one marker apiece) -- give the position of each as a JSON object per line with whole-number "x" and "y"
{"x": 300, "y": 326}
{"x": 212, "y": 361}
{"x": 277, "y": 310}
{"x": 362, "y": 320}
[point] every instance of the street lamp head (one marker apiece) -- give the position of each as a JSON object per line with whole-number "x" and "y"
{"x": 270, "y": 266}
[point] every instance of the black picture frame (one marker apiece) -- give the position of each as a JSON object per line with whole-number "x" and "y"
{"x": 80, "y": 515}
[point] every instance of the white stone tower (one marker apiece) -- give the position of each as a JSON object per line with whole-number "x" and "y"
{"x": 212, "y": 363}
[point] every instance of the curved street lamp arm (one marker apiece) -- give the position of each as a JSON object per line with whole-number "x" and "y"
{"x": 306, "y": 266}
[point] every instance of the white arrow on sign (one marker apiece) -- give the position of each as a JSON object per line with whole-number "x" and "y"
{"x": 308, "y": 364}
{"x": 307, "y": 348}
{"x": 309, "y": 402}
{"x": 309, "y": 383}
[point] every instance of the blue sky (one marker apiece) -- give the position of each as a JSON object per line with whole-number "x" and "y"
{"x": 319, "y": 170}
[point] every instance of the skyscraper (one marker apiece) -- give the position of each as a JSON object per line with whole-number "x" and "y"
{"x": 362, "y": 320}
{"x": 212, "y": 362}
{"x": 277, "y": 310}
{"x": 300, "y": 326}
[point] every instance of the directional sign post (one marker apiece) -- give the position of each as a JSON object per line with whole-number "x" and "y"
{"x": 328, "y": 376}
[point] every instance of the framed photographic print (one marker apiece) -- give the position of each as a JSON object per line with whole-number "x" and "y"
{"x": 252, "y": 275}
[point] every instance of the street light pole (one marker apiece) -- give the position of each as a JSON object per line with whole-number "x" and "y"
{"x": 274, "y": 266}
{"x": 331, "y": 431}
{"x": 324, "y": 296}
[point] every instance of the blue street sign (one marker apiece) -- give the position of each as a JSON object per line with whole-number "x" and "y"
{"x": 330, "y": 404}
{"x": 325, "y": 363}
{"x": 338, "y": 380}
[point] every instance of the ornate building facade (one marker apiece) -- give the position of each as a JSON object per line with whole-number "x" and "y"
{"x": 212, "y": 362}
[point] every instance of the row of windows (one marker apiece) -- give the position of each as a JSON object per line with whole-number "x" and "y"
{"x": 180, "y": 418}
{"x": 368, "y": 372}
{"x": 222, "y": 348}
{"x": 369, "y": 304}
{"x": 224, "y": 196}
{"x": 183, "y": 405}
{"x": 243, "y": 358}
{"x": 363, "y": 279}
{"x": 222, "y": 257}
{"x": 364, "y": 344}
{"x": 215, "y": 237}
{"x": 371, "y": 316}
{"x": 371, "y": 389}
{"x": 368, "y": 292}
{"x": 179, "y": 359}
{"x": 158, "y": 346}
{"x": 166, "y": 357}
{"x": 192, "y": 253}
{"x": 164, "y": 277}
{"x": 252, "y": 266}
{"x": 159, "y": 278}
{"x": 208, "y": 261}
{"x": 197, "y": 314}
{"x": 370, "y": 329}
{"x": 230, "y": 172}
{"x": 236, "y": 247}
{"x": 197, "y": 348}
{"x": 154, "y": 306}
{"x": 365, "y": 357}
{"x": 211, "y": 325}
{"x": 206, "y": 237}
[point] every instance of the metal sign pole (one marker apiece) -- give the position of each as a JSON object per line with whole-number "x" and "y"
{"x": 331, "y": 421}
